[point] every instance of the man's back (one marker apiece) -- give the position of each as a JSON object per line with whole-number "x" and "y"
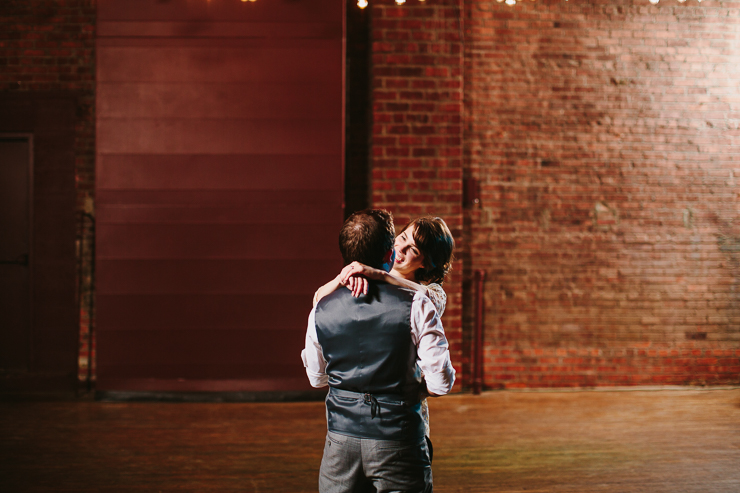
{"x": 371, "y": 356}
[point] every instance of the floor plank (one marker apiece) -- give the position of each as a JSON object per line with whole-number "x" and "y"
{"x": 678, "y": 441}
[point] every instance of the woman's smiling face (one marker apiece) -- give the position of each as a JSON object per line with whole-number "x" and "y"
{"x": 408, "y": 256}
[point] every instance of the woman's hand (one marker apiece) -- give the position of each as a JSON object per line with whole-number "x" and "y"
{"x": 357, "y": 284}
{"x": 356, "y": 268}
{"x": 355, "y": 275}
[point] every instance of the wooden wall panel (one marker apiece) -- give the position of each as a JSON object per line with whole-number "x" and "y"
{"x": 219, "y": 189}
{"x": 233, "y": 172}
{"x": 197, "y": 241}
{"x": 225, "y": 100}
{"x": 200, "y": 13}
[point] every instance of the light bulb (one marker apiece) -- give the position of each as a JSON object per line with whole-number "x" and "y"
{"x": 362, "y": 3}
{"x": 681, "y": 1}
{"x": 510, "y": 2}
{"x": 400, "y": 2}
{"x": 654, "y": 2}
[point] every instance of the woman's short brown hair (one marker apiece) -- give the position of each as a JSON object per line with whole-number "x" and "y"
{"x": 435, "y": 242}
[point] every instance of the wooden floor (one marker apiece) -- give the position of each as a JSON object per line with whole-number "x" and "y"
{"x": 618, "y": 441}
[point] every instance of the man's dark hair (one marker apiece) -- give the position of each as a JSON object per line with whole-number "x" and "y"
{"x": 366, "y": 237}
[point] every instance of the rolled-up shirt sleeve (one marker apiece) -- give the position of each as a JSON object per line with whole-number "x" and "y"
{"x": 313, "y": 356}
{"x": 433, "y": 350}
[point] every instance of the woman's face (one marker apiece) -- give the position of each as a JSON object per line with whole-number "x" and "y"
{"x": 408, "y": 256}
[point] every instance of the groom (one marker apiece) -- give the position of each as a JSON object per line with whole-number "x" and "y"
{"x": 369, "y": 350}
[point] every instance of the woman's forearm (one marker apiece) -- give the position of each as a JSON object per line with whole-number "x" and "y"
{"x": 371, "y": 273}
{"x": 327, "y": 288}
{"x": 404, "y": 283}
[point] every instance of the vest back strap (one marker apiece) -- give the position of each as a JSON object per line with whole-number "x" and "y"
{"x": 388, "y": 398}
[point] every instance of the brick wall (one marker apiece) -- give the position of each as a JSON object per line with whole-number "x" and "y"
{"x": 48, "y": 47}
{"x": 416, "y": 156}
{"x": 604, "y": 137}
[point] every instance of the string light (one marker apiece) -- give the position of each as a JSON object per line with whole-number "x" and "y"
{"x": 364, "y": 3}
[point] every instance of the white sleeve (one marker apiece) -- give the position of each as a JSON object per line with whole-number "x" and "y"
{"x": 433, "y": 350}
{"x": 437, "y": 296}
{"x": 313, "y": 356}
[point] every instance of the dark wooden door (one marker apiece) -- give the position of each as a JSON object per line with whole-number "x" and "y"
{"x": 219, "y": 189}
{"x": 15, "y": 249}
{"x": 44, "y": 230}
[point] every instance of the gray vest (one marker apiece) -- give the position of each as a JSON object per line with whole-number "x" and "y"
{"x": 371, "y": 363}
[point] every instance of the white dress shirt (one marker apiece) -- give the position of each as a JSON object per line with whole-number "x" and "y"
{"x": 427, "y": 334}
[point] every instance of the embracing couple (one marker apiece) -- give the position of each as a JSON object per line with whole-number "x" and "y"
{"x": 380, "y": 346}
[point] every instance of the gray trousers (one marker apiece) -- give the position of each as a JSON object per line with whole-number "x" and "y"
{"x": 360, "y": 465}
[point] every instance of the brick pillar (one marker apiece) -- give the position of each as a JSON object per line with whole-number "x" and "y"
{"x": 416, "y": 151}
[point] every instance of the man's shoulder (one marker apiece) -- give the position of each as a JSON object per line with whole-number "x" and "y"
{"x": 337, "y": 296}
{"x": 394, "y": 291}
{"x": 377, "y": 292}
